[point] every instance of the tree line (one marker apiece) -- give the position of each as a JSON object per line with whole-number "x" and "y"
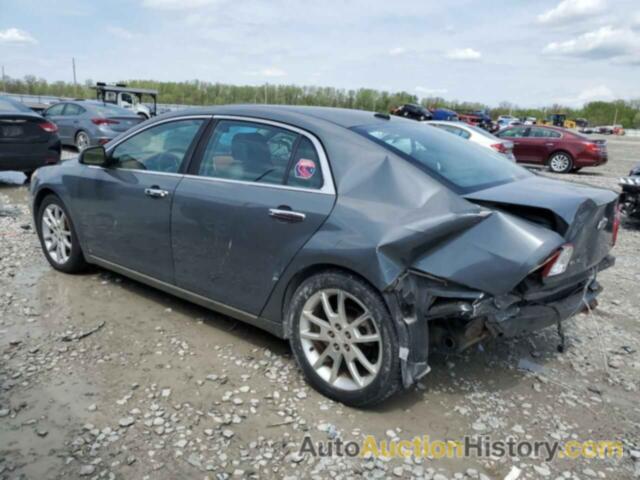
{"x": 196, "y": 92}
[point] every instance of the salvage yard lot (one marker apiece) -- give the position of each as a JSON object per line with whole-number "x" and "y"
{"x": 103, "y": 377}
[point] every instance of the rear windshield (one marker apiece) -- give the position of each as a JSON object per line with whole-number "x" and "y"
{"x": 461, "y": 164}
{"x": 7, "y": 105}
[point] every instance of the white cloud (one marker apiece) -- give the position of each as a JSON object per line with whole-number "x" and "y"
{"x": 120, "y": 32}
{"x": 591, "y": 94}
{"x": 397, "y": 51}
{"x": 607, "y": 42}
{"x": 177, "y": 4}
{"x": 271, "y": 72}
{"x": 570, "y": 10}
{"x": 16, "y": 36}
{"x": 463, "y": 54}
{"x": 431, "y": 91}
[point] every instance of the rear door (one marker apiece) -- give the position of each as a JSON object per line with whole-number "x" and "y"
{"x": 254, "y": 196}
{"x": 71, "y": 122}
{"x": 55, "y": 114}
{"x": 126, "y": 214}
{"x": 541, "y": 142}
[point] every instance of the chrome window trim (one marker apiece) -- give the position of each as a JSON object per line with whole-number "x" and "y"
{"x": 328, "y": 187}
{"x": 152, "y": 125}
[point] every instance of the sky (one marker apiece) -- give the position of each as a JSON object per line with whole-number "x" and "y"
{"x": 527, "y": 52}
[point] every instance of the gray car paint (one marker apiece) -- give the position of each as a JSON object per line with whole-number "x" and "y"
{"x": 390, "y": 218}
{"x": 70, "y": 125}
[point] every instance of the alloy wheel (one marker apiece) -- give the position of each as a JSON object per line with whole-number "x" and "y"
{"x": 56, "y": 234}
{"x": 560, "y": 162}
{"x": 82, "y": 141}
{"x": 340, "y": 339}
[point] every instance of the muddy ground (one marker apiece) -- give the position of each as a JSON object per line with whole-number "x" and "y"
{"x": 102, "y": 377}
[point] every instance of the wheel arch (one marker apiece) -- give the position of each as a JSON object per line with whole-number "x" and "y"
{"x": 307, "y": 272}
{"x": 39, "y": 197}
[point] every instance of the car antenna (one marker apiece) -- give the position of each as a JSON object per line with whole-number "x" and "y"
{"x": 384, "y": 116}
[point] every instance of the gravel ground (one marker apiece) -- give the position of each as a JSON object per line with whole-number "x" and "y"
{"x": 101, "y": 377}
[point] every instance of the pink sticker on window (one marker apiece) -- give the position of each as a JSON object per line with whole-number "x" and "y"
{"x": 305, "y": 169}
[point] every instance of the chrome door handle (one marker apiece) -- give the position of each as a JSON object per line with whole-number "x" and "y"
{"x": 550, "y": 144}
{"x": 156, "y": 192}
{"x": 286, "y": 215}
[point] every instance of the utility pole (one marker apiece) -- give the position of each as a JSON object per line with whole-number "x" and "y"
{"x": 4, "y": 87}
{"x": 615, "y": 118}
{"x": 75, "y": 81}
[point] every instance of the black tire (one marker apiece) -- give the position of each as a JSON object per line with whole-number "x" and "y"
{"x": 76, "y": 262}
{"x": 387, "y": 381}
{"x": 80, "y": 143}
{"x": 560, "y": 162}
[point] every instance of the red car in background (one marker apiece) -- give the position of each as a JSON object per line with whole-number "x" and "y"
{"x": 561, "y": 150}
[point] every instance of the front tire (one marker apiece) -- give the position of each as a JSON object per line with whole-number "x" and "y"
{"x": 344, "y": 340}
{"x": 560, "y": 162}
{"x": 58, "y": 236}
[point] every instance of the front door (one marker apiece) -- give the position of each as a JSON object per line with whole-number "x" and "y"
{"x": 257, "y": 193}
{"x": 127, "y": 206}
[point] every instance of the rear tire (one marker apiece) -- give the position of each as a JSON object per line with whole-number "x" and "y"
{"x": 560, "y": 162}
{"x": 82, "y": 140}
{"x": 351, "y": 354}
{"x": 58, "y": 237}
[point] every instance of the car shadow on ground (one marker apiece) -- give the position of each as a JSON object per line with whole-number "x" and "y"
{"x": 492, "y": 367}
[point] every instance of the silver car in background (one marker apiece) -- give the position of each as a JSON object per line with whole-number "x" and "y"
{"x": 479, "y": 136}
{"x": 87, "y": 123}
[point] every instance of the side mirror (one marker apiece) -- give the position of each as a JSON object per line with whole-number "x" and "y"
{"x": 96, "y": 156}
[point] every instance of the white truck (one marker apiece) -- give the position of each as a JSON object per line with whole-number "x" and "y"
{"x": 129, "y": 98}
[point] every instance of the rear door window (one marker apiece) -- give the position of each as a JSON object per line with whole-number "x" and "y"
{"x": 55, "y": 110}
{"x": 305, "y": 171}
{"x": 249, "y": 152}
{"x": 72, "y": 110}
{"x": 537, "y": 132}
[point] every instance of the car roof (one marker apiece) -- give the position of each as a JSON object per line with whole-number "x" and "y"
{"x": 296, "y": 115}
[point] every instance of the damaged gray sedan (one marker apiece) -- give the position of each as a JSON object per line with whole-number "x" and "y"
{"x": 367, "y": 241}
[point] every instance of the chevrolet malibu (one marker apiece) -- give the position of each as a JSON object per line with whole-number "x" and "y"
{"x": 366, "y": 240}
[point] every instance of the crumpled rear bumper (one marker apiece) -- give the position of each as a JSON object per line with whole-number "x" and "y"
{"x": 440, "y": 315}
{"x": 536, "y": 316}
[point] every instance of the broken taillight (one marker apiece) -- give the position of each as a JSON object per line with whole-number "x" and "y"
{"x": 616, "y": 225}
{"x": 558, "y": 263}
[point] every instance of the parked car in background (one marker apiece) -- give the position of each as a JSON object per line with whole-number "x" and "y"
{"x": 507, "y": 120}
{"x": 444, "y": 114}
{"x": 85, "y": 123}
{"x": 530, "y": 121}
{"x": 478, "y": 119}
{"x": 412, "y": 111}
{"x": 630, "y": 196}
{"x": 364, "y": 239}
{"x": 561, "y": 150}
{"x": 478, "y": 135}
{"x": 27, "y": 140}
{"x": 604, "y": 129}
